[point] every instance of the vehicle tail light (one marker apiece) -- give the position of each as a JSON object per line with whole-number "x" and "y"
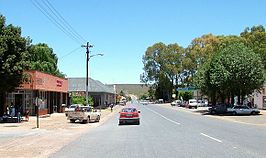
{"x": 135, "y": 114}
{"x": 122, "y": 114}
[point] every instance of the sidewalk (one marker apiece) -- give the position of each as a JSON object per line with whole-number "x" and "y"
{"x": 25, "y": 140}
{"x": 259, "y": 120}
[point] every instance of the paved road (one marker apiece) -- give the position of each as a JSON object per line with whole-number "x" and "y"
{"x": 167, "y": 133}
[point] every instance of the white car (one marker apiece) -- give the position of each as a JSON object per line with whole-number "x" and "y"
{"x": 243, "y": 110}
{"x": 201, "y": 103}
{"x": 176, "y": 103}
{"x": 192, "y": 103}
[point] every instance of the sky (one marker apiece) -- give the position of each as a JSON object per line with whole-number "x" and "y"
{"x": 123, "y": 29}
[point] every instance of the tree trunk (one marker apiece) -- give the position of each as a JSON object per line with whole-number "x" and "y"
{"x": 232, "y": 98}
{"x": 176, "y": 86}
{"x": 242, "y": 99}
{"x": 238, "y": 97}
{"x": 213, "y": 97}
{"x": 2, "y": 103}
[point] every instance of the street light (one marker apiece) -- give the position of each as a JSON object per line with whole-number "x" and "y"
{"x": 100, "y": 54}
{"x": 87, "y": 75}
{"x": 87, "y": 66}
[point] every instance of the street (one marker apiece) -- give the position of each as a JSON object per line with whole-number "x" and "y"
{"x": 165, "y": 132}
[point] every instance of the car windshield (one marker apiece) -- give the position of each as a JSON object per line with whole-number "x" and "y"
{"x": 73, "y": 106}
{"x": 129, "y": 110}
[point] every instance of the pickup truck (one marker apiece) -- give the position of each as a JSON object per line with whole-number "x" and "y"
{"x": 84, "y": 114}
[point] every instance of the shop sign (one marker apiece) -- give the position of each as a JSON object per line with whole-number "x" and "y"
{"x": 59, "y": 83}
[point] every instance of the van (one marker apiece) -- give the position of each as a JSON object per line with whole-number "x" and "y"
{"x": 192, "y": 103}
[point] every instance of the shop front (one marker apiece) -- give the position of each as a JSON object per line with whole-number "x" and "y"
{"x": 45, "y": 91}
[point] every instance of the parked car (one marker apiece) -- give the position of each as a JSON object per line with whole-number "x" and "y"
{"x": 71, "y": 108}
{"x": 129, "y": 115}
{"x": 219, "y": 108}
{"x": 243, "y": 110}
{"x": 84, "y": 114}
{"x": 123, "y": 103}
{"x": 202, "y": 103}
{"x": 176, "y": 103}
{"x": 144, "y": 102}
{"x": 192, "y": 103}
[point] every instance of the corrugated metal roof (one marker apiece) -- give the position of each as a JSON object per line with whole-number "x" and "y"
{"x": 79, "y": 84}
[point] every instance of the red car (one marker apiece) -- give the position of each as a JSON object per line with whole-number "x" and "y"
{"x": 129, "y": 115}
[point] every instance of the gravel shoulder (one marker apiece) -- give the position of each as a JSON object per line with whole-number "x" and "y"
{"x": 25, "y": 140}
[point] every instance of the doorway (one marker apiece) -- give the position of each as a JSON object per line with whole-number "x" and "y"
{"x": 264, "y": 102}
{"x": 19, "y": 103}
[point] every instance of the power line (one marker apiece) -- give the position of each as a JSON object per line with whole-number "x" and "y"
{"x": 54, "y": 21}
{"x": 74, "y": 50}
{"x": 63, "y": 20}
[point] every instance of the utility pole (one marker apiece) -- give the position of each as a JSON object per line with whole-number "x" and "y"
{"x": 88, "y": 46}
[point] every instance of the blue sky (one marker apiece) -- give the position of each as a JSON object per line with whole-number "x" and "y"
{"x": 124, "y": 29}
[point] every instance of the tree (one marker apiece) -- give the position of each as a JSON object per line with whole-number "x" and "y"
{"x": 13, "y": 55}
{"x": 152, "y": 63}
{"x": 256, "y": 40}
{"x": 186, "y": 95}
{"x": 199, "y": 51}
{"x": 162, "y": 65}
{"x": 235, "y": 70}
{"x": 78, "y": 99}
{"x": 122, "y": 93}
{"x": 43, "y": 59}
{"x": 82, "y": 100}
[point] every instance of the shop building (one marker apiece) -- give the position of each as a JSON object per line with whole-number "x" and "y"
{"x": 47, "y": 91}
{"x": 101, "y": 94}
{"x": 260, "y": 98}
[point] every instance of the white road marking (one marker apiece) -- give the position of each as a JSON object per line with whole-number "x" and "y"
{"x": 211, "y": 137}
{"x": 177, "y": 123}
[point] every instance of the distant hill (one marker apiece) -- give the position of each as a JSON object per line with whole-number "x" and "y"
{"x": 136, "y": 89}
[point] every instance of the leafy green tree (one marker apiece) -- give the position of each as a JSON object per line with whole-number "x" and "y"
{"x": 152, "y": 63}
{"x": 186, "y": 95}
{"x": 82, "y": 100}
{"x": 90, "y": 100}
{"x": 78, "y": 99}
{"x": 163, "y": 88}
{"x": 13, "y": 54}
{"x": 42, "y": 58}
{"x": 199, "y": 51}
{"x": 122, "y": 93}
{"x": 143, "y": 97}
{"x": 234, "y": 71}
{"x": 256, "y": 40}
{"x": 162, "y": 66}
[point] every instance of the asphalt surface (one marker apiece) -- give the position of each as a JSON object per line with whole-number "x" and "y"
{"x": 167, "y": 133}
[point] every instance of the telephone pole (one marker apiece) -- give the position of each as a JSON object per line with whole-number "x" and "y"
{"x": 88, "y": 46}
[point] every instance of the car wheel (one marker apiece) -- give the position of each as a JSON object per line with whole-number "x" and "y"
{"x": 72, "y": 120}
{"x": 98, "y": 119}
{"x": 138, "y": 122}
{"x": 120, "y": 123}
{"x": 89, "y": 119}
{"x": 84, "y": 121}
{"x": 213, "y": 112}
{"x": 234, "y": 113}
{"x": 253, "y": 113}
